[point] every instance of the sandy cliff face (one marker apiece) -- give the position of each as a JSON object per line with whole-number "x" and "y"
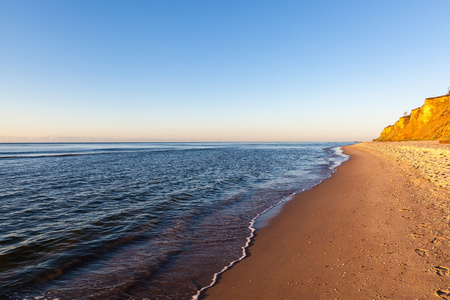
{"x": 429, "y": 122}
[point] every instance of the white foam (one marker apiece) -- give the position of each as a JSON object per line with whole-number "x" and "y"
{"x": 339, "y": 157}
{"x": 244, "y": 248}
{"x": 339, "y": 152}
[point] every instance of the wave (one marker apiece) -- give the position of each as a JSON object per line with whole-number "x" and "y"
{"x": 197, "y": 196}
{"x": 244, "y": 248}
{"x": 339, "y": 158}
{"x": 41, "y": 155}
{"x": 99, "y": 151}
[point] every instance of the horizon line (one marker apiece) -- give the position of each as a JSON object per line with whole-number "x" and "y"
{"x": 73, "y": 140}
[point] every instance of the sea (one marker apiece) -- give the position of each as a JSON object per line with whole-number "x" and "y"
{"x": 141, "y": 220}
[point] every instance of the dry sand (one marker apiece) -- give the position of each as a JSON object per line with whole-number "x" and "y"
{"x": 429, "y": 158}
{"x": 377, "y": 229}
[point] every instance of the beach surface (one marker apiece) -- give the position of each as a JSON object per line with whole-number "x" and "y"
{"x": 378, "y": 229}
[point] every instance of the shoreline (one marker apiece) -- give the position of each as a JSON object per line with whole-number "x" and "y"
{"x": 262, "y": 220}
{"x": 363, "y": 232}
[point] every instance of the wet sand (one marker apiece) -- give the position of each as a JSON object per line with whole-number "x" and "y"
{"x": 378, "y": 229}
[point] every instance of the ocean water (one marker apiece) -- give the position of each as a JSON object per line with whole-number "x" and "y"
{"x": 140, "y": 220}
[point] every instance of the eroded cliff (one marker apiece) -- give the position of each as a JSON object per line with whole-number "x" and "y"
{"x": 429, "y": 122}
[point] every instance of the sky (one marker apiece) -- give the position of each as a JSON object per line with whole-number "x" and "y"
{"x": 210, "y": 70}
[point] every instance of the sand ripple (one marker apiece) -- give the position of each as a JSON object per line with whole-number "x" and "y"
{"x": 429, "y": 158}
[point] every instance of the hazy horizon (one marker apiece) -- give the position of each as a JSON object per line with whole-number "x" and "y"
{"x": 26, "y": 140}
{"x": 231, "y": 71}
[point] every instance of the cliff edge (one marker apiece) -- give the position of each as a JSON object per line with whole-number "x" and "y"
{"x": 429, "y": 122}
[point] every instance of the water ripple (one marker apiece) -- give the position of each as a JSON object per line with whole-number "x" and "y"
{"x": 130, "y": 220}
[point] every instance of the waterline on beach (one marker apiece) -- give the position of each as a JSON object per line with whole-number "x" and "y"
{"x": 263, "y": 218}
{"x": 159, "y": 213}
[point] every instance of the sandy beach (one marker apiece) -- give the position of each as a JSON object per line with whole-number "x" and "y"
{"x": 377, "y": 229}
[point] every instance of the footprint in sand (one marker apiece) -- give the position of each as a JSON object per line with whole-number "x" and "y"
{"x": 437, "y": 240}
{"x": 405, "y": 209}
{"x": 442, "y": 271}
{"x": 421, "y": 252}
{"x": 444, "y": 294}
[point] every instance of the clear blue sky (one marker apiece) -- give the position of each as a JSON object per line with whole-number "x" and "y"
{"x": 210, "y": 70}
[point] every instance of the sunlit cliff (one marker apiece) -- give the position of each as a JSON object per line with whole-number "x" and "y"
{"x": 429, "y": 122}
